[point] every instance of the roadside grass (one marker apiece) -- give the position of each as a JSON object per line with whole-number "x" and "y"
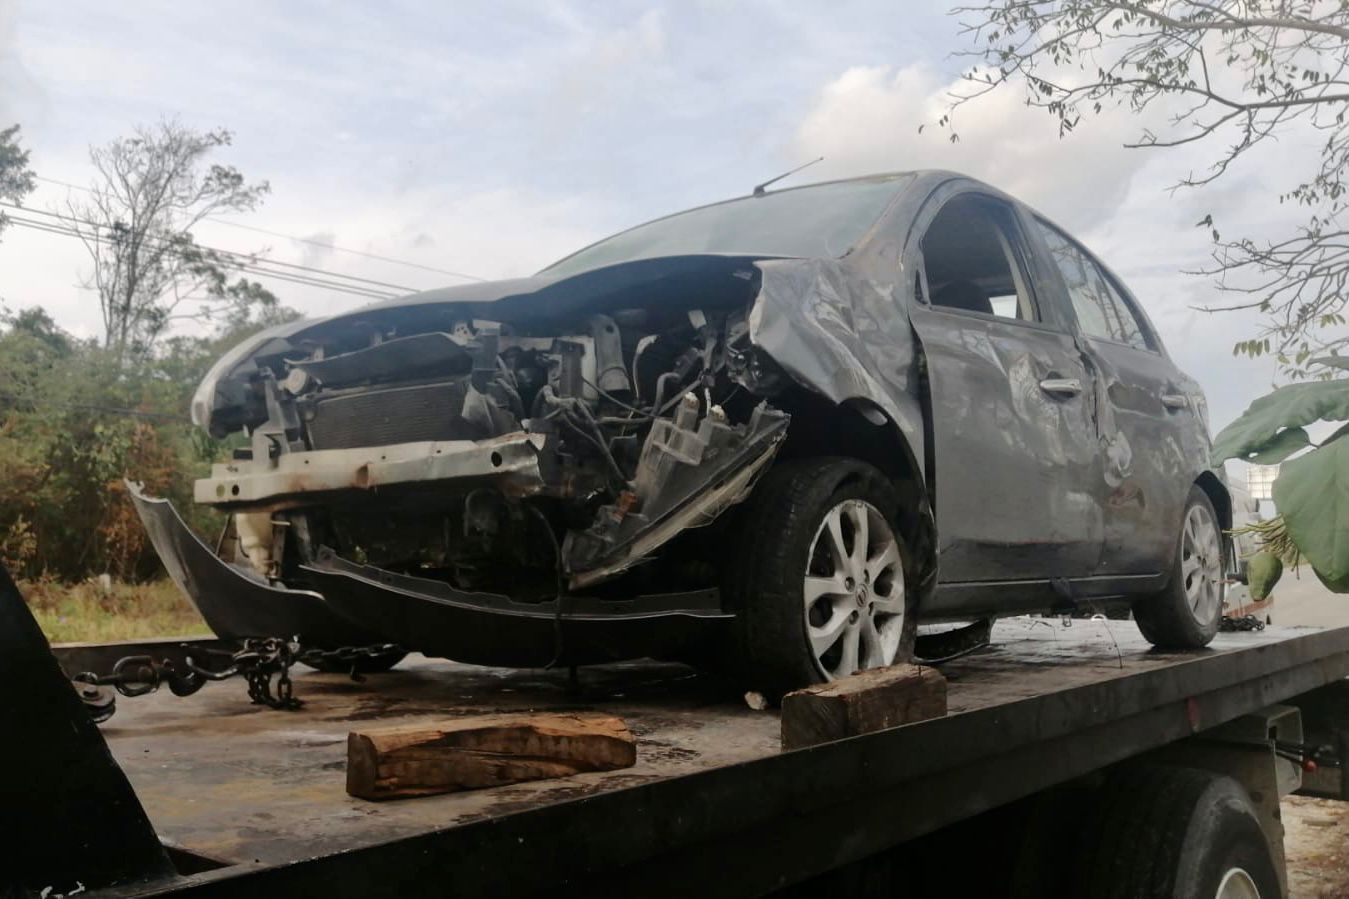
{"x": 86, "y": 613}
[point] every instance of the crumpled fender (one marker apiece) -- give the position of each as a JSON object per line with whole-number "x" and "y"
{"x": 843, "y": 336}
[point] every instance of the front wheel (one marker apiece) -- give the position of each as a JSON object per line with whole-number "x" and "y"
{"x": 1186, "y": 614}
{"x": 819, "y": 582}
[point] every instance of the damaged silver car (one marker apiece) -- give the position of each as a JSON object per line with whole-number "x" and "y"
{"x": 764, "y": 435}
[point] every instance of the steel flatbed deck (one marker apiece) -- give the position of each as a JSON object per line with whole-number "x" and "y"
{"x": 260, "y": 792}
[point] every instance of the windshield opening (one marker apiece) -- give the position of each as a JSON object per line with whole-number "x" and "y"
{"x": 819, "y": 221}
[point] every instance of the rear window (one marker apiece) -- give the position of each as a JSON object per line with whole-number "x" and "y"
{"x": 1101, "y": 309}
{"x": 822, "y": 221}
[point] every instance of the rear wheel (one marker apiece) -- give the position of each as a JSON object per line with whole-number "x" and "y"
{"x": 819, "y": 581}
{"x": 1173, "y": 833}
{"x": 1186, "y": 614}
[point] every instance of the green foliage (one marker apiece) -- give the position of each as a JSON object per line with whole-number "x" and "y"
{"x": 75, "y": 420}
{"x": 88, "y": 612}
{"x": 1261, "y": 428}
{"x": 1285, "y": 443}
{"x": 1334, "y": 585}
{"x": 1312, "y": 493}
{"x": 1312, "y": 490}
{"x": 1341, "y": 362}
{"x": 1263, "y": 571}
{"x": 16, "y": 178}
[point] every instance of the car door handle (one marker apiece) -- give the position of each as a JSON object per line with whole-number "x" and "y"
{"x": 1061, "y": 386}
{"x": 1175, "y": 400}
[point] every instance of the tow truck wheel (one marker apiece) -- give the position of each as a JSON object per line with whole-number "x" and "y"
{"x": 1187, "y": 613}
{"x": 1158, "y": 832}
{"x": 819, "y": 579}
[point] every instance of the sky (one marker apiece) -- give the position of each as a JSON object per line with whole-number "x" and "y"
{"x": 493, "y": 138}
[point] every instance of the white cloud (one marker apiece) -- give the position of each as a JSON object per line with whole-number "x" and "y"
{"x": 492, "y": 137}
{"x": 868, "y": 118}
{"x": 1113, "y": 198}
{"x": 315, "y": 249}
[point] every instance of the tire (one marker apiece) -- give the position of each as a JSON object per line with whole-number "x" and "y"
{"x": 375, "y": 664}
{"x": 1159, "y": 832}
{"x": 1187, "y": 613}
{"x": 781, "y": 529}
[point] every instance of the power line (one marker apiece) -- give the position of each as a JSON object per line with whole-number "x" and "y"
{"x": 328, "y": 246}
{"x": 257, "y": 268}
{"x": 241, "y": 258}
{"x": 306, "y": 240}
{"x": 247, "y": 269}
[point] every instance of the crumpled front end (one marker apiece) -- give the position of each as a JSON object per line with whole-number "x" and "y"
{"x": 496, "y": 478}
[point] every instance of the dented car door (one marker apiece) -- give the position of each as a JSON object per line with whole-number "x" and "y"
{"x": 1015, "y": 450}
{"x": 1150, "y": 414}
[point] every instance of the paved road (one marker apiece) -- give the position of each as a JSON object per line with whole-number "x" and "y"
{"x": 1301, "y": 601}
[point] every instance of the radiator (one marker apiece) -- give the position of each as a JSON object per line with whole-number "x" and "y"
{"x": 383, "y": 415}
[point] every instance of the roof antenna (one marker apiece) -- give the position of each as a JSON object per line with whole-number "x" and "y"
{"x": 759, "y": 188}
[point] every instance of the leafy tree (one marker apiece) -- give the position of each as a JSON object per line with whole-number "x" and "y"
{"x": 1312, "y": 489}
{"x": 1228, "y": 75}
{"x": 16, "y": 178}
{"x": 153, "y": 188}
{"x": 75, "y": 420}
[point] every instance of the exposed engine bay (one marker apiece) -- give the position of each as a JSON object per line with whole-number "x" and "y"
{"x": 508, "y": 458}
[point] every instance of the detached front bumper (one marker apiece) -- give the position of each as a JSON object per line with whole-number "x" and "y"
{"x": 357, "y": 605}
{"x": 235, "y": 601}
{"x": 491, "y": 629}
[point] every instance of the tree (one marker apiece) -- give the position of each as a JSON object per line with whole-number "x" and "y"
{"x": 1230, "y": 75}
{"x": 16, "y": 178}
{"x": 153, "y": 188}
{"x": 74, "y": 421}
{"x": 1312, "y": 489}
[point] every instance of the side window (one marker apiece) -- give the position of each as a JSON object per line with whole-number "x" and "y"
{"x": 973, "y": 263}
{"x": 1101, "y": 310}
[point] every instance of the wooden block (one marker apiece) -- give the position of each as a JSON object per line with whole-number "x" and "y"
{"x": 865, "y": 702}
{"x": 483, "y": 751}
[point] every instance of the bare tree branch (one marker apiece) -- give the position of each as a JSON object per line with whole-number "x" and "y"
{"x": 153, "y": 188}
{"x": 1231, "y": 74}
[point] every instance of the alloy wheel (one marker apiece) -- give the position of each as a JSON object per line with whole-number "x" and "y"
{"x": 1201, "y": 564}
{"x": 854, "y": 591}
{"x": 1237, "y": 884}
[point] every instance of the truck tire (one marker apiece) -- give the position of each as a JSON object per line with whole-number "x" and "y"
{"x": 818, "y": 579}
{"x": 1158, "y": 832}
{"x": 1187, "y": 613}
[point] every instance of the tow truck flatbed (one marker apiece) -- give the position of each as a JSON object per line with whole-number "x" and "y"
{"x": 256, "y": 795}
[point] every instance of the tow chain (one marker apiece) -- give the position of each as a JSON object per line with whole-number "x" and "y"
{"x": 263, "y": 662}
{"x": 1241, "y": 623}
{"x": 347, "y": 658}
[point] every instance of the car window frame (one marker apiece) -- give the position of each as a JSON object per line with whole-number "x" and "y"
{"x": 1023, "y": 252}
{"x": 1152, "y": 343}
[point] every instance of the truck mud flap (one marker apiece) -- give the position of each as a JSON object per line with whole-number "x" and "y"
{"x": 436, "y": 619}
{"x": 234, "y": 602}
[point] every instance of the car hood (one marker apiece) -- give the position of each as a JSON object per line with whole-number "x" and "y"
{"x": 537, "y": 299}
{"x": 543, "y": 297}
